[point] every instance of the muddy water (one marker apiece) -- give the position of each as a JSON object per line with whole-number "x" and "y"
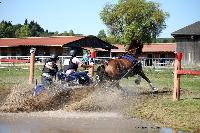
{"x": 74, "y": 122}
{"x": 85, "y": 110}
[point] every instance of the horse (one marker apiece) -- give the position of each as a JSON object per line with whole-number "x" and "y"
{"x": 124, "y": 66}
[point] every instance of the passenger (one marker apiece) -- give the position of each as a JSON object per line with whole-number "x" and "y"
{"x": 50, "y": 69}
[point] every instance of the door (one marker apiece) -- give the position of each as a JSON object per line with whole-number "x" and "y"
{"x": 149, "y": 60}
{"x": 162, "y": 59}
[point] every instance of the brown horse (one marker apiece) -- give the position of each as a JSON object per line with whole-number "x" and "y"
{"x": 124, "y": 66}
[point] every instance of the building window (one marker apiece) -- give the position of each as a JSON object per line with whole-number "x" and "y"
{"x": 162, "y": 59}
{"x": 149, "y": 60}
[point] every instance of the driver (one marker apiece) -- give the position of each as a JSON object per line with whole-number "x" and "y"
{"x": 71, "y": 65}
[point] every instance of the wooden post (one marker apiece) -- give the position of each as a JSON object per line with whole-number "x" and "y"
{"x": 32, "y": 64}
{"x": 91, "y": 69}
{"x": 174, "y": 130}
{"x": 177, "y": 66}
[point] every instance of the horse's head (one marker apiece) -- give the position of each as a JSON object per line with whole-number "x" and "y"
{"x": 135, "y": 48}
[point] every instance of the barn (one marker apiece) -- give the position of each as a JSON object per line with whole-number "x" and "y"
{"x": 56, "y": 44}
{"x": 155, "y": 51}
{"x": 188, "y": 42}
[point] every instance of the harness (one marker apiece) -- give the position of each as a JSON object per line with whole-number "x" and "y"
{"x": 71, "y": 65}
{"x": 138, "y": 64}
{"x": 123, "y": 74}
{"x": 129, "y": 58}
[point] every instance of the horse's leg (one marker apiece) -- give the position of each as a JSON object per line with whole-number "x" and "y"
{"x": 119, "y": 87}
{"x": 138, "y": 80}
{"x": 141, "y": 73}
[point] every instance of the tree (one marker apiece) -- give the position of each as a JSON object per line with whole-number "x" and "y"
{"x": 112, "y": 39}
{"x": 35, "y": 29}
{"x": 56, "y": 33}
{"x": 26, "y": 22}
{"x": 71, "y": 33}
{"x": 6, "y": 29}
{"x": 102, "y": 35}
{"x": 65, "y": 33}
{"x": 134, "y": 19}
{"x": 24, "y": 31}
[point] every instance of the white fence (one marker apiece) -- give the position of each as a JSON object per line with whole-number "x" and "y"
{"x": 146, "y": 62}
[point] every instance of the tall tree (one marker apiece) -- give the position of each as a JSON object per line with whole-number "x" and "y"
{"x": 71, "y": 33}
{"x": 24, "y": 31}
{"x": 6, "y": 29}
{"x": 102, "y": 35}
{"x": 16, "y": 29}
{"x": 35, "y": 29}
{"x": 112, "y": 39}
{"x": 65, "y": 33}
{"x": 26, "y": 22}
{"x": 134, "y": 19}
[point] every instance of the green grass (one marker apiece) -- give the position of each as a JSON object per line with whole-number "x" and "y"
{"x": 165, "y": 78}
{"x": 11, "y": 76}
{"x": 183, "y": 114}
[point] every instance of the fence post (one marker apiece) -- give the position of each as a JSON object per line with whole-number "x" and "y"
{"x": 177, "y": 66}
{"x": 32, "y": 63}
{"x": 91, "y": 69}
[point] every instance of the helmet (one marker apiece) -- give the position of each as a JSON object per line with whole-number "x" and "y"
{"x": 73, "y": 52}
{"x": 54, "y": 57}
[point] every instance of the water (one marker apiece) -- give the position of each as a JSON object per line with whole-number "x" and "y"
{"x": 75, "y": 122}
{"x": 83, "y": 110}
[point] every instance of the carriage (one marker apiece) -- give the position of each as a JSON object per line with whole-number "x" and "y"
{"x": 112, "y": 71}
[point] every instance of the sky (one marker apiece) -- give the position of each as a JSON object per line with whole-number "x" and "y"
{"x": 82, "y": 16}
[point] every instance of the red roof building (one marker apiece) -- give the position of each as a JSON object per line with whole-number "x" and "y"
{"x": 38, "y": 41}
{"x": 159, "y": 52}
{"x": 47, "y": 45}
{"x": 160, "y": 47}
{"x": 154, "y": 50}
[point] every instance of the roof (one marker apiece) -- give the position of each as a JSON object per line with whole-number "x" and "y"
{"x": 38, "y": 41}
{"x": 90, "y": 41}
{"x": 61, "y": 41}
{"x": 153, "y": 47}
{"x": 193, "y": 29}
{"x": 160, "y": 47}
{"x": 119, "y": 50}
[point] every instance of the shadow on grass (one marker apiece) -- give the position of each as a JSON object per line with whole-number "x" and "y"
{"x": 162, "y": 92}
{"x": 196, "y": 98}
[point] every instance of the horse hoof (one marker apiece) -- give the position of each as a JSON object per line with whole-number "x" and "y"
{"x": 137, "y": 82}
{"x": 155, "y": 90}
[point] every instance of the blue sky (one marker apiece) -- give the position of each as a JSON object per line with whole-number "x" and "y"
{"x": 82, "y": 16}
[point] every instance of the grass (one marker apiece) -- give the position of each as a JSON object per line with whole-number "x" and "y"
{"x": 11, "y": 76}
{"x": 183, "y": 114}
